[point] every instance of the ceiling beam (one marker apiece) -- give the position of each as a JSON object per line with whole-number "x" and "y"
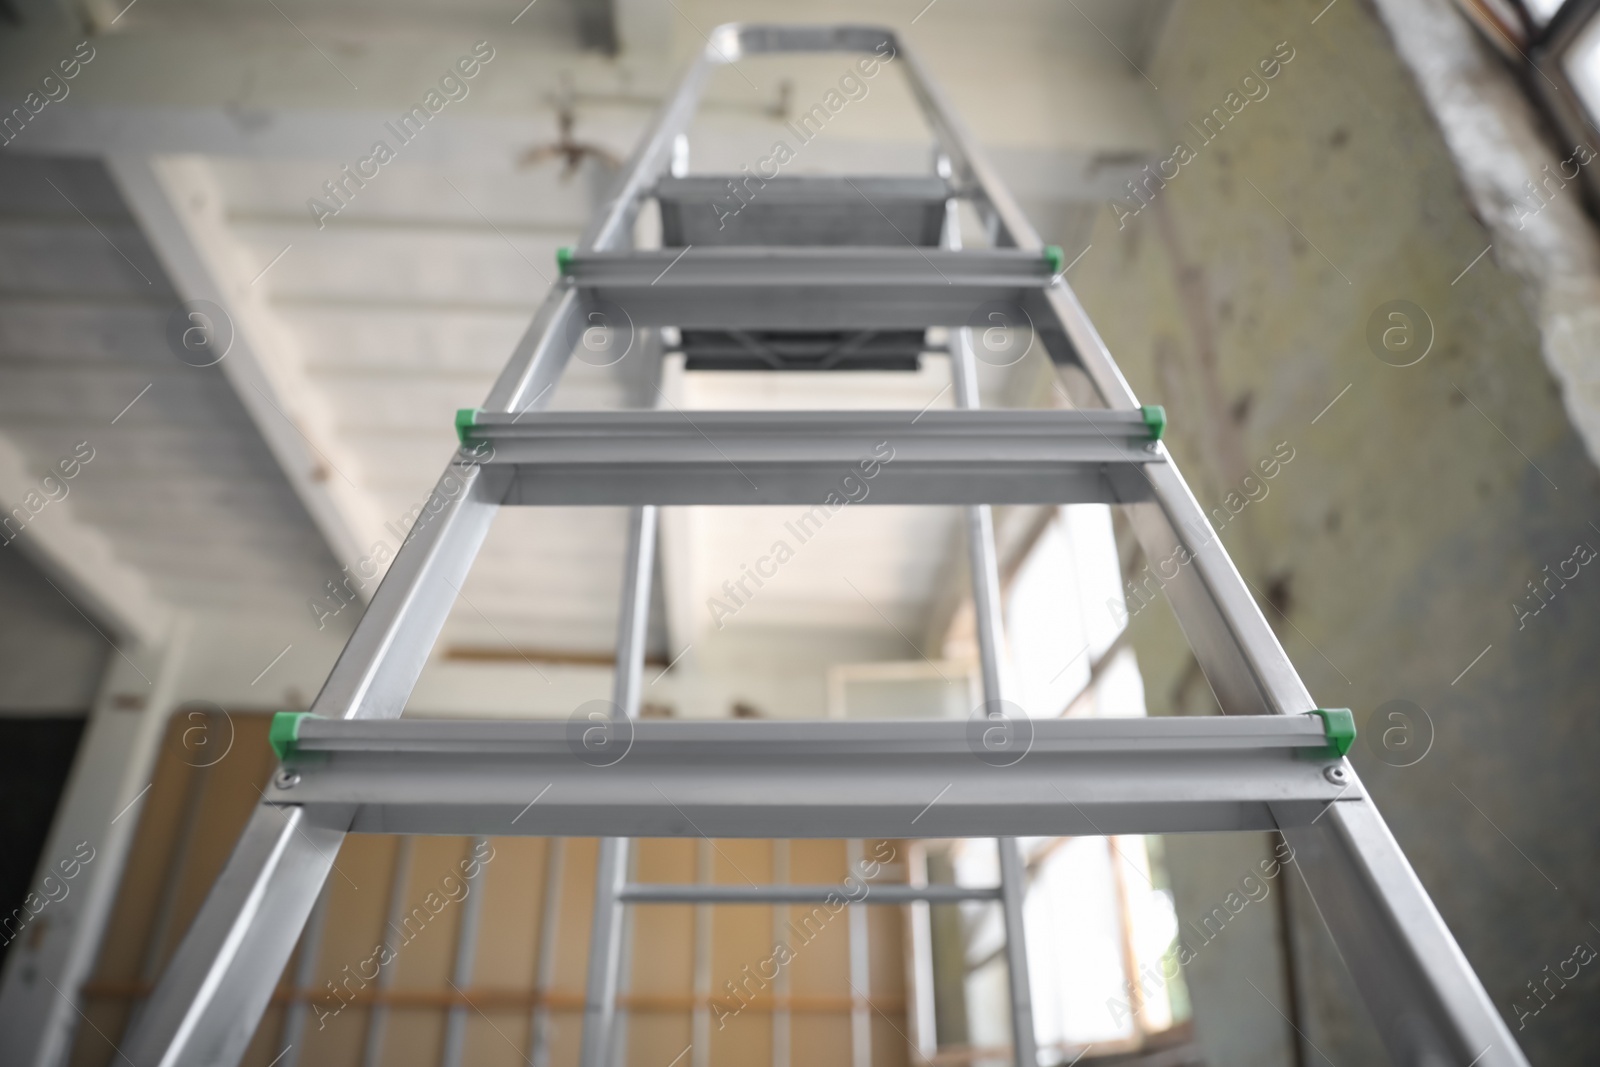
{"x": 180, "y": 208}
{"x": 279, "y": 98}
{"x": 76, "y": 558}
{"x": 497, "y": 144}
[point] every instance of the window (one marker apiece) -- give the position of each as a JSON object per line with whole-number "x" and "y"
{"x": 1580, "y": 63}
{"x": 1099, "y": 916}
{"x": 1099, "y": 912}
{"x": 1542, "y": 11}
{"x": 1063, "y": 619}
{"x": 1560, "y": 39}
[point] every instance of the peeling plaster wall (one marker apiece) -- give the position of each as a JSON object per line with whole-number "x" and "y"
{"x": 1391, "y": 552}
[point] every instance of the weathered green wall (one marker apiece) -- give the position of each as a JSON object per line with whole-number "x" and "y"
{"x": 1389, "y": 551}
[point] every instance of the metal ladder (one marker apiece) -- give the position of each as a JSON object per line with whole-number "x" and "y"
{"x": 887, "y": 268}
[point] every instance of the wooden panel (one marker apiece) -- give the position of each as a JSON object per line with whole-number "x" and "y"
{"x": 572, "y": 948}
{"x": 821, "y": 966}
{"x": 513, "y": 888}
{"x": 663, "y": 956}
{"x": 426, "y": 949}
{"x": 886, "y": 929}
{"x": 197, "y": 804}
{"x": 741, "y": 941}
{"x": 358, "y": 902}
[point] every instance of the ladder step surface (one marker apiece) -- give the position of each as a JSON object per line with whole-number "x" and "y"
{"x": 810, "y": 288}
{"x": 980, "y": 778}
{"x": 820, "y": 457}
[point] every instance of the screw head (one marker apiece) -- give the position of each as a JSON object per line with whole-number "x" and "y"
{"x": 1334, "y": 774}
{"x": 286, "y": 778}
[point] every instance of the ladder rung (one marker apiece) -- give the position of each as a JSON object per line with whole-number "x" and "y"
{"x": 813, "y": 288}
{"x": 875, "y": 893}
{"x": 808, "y": 457}
{"x": 814, "y": 779}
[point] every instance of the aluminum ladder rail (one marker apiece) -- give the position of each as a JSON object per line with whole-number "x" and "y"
{"x": 1266, "y": 764}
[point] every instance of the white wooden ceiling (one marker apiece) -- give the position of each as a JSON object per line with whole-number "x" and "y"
{"x": 405, "y": 308}
{"x": 180, "y": 487}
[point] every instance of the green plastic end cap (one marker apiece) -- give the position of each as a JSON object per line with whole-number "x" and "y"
{"x": 1155, "y": 417}
{"x": 1340, "y": 726}
{"x": 466, "y": 419}
{"x": 285, "y": 732}
{"x": 1055, "y": 257}
{"x": 564, "y": 259}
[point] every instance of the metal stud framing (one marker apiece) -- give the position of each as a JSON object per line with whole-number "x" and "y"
{"x": 1247, "y": 770}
